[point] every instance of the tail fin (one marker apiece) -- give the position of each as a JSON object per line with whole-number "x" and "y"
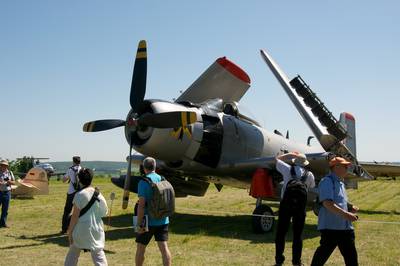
{"x": 349, "y": 123}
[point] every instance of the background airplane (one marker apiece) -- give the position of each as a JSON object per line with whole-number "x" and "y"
{"x": 35, "y": 183}
{"x": 202, "y": 137}
{"x": 24, "y": 164}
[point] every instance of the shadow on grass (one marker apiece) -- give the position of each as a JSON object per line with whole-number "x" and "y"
{"x": 21, "y": 197}
{"x": 233, "y": 227}
{"x": 236, "y": 227}
{"x": 57, "y": 238}
{"x": 123, "y": 220}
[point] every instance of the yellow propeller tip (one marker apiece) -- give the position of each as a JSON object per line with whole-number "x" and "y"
{"x": 142, "y": 44}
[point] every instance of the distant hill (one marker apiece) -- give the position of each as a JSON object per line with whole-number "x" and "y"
{"x": 101, "y": 167}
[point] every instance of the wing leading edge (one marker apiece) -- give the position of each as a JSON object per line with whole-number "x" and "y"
{"x": 325, "y": 127}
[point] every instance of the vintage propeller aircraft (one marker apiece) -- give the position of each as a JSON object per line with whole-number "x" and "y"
{"x": 34, "y": 183}
{"x": 24, "y": 164}
{"x": 202, "y": 137}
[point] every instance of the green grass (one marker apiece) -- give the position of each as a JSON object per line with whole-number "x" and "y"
{"x": 196, "y": 236}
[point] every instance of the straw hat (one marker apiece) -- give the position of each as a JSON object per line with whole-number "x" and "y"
{"x": 300, "y": 160}
{"x": 339, "y": 161}
{"x": 4, "y": 162}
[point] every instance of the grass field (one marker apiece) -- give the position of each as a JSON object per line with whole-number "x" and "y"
{"x": 212, "y": 230}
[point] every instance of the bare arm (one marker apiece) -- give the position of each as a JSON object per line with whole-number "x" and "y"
{"x": 74, "y": 219}
{"x": 65, "y": 177}
{"x": 286, "y": 156}
{"x": 140, "y": 212}
{"x": 332, "y": 207}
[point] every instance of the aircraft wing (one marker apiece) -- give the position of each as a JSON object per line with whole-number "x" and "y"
{"x": 182, "y": 186}
{"x": 322, "y": 123}
{"x": 382, "y": 169}
{"x": 253, "y": 163}
{"x": 318, "y": 163}
{"x": 316, "y": 127}
{"x": 223, "y": 79}
{"x": 136, "y": 159}
{"x": 56, "y": 174}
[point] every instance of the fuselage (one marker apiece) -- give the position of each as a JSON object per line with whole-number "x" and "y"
{"x": 207, "y": 148}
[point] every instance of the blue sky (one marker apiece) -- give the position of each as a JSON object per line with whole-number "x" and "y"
{"x": 67, "y": 62}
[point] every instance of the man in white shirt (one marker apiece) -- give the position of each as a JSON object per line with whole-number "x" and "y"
{"x": 6, "y": 180}
{"x": 296, "y": 183}
{"x": 71, "y": 177}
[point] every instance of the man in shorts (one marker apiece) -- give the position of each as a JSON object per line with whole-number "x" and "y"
{"x": 156, "y": 227}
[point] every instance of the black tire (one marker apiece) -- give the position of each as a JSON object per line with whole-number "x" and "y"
{"x": 260, "y": 224}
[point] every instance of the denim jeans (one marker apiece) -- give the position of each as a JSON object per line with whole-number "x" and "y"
{"x": 5, "y": 197}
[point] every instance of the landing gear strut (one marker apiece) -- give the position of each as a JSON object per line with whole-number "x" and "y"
{"x": 262, "y": 224}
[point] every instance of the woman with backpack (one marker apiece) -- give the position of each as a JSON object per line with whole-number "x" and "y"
{"x": 296, "y": 183}
{"x": 86, "y": 229}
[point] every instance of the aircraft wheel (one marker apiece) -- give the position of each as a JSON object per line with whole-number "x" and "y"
{"x": 263, "y": 224}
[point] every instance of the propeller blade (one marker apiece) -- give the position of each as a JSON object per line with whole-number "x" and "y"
{"x": 125, "y": 198}
{"x": 100, "y": 125}
{"x": 168, "y": 119}
{"x": 138, "y": 86}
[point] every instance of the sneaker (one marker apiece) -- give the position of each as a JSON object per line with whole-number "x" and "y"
{"x": 5, "y": 226}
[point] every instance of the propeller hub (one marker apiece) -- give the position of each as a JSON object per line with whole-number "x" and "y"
{"x": 132, "y": 122}
{"x": 138, "y": 133}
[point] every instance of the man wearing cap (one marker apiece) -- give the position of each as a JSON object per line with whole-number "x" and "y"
{"x": 335, "y": 216}
{"x": 71, "y": 177}
{"x": 287, "y": 211}
{"x": 6, "y": 180}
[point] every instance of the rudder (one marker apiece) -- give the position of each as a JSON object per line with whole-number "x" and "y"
{"x": 349, "y": 123}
